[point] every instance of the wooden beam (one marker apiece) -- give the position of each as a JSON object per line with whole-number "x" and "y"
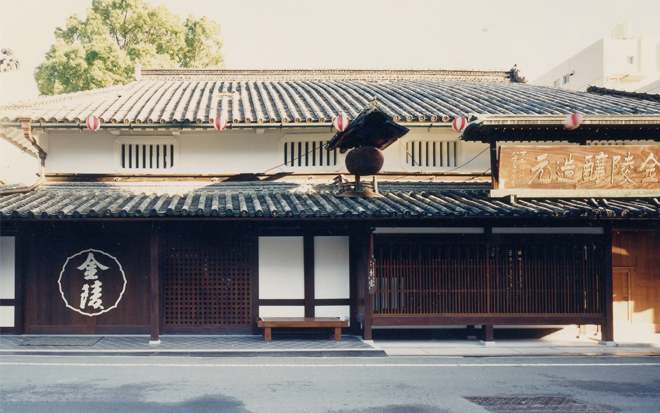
{"x": 494, "y": 167}
{"x": 155, "y": 290}
{"x": 485, "y": 319}
{"x": 308, "y": 264}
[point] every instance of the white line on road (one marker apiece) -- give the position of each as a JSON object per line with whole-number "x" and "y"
{"x": 331, "y": 365}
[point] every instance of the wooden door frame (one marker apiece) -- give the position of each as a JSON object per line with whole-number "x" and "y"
{"x": 631, "y": 275}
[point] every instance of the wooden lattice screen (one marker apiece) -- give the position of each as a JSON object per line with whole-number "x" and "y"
{"x": 489, "y": 278}
{"x": 207, "y": 281}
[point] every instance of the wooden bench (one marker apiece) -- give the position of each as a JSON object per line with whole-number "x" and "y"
{"x": 267, "y": 323}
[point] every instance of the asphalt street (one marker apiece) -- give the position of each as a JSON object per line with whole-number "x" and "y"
{"x": 32, "y": 384}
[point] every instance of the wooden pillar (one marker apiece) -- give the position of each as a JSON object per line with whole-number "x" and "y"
{"x": 19, "y": 281}
{"x": 494, "y": 166}
{"x": 607, "y": 329}
{"x": 489, "y": 335}
{"x": 155, "y": 289}
{"x": 308, "y": 265}
{"x": 366, "y": 273}
{"x": 355, "y": 284}
{"x": 254, "y": 280}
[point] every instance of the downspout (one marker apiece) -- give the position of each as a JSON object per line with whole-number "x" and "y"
{"x": 27, "y": 133}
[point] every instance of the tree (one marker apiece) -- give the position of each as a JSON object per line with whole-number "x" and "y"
{"x": 102, "y": 50}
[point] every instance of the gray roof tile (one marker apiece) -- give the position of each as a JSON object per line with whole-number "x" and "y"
{"x": 249, "y": 200}
{"x": 197, "y": 97}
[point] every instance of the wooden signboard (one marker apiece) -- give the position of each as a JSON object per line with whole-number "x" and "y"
{"x": 619, "y": 168}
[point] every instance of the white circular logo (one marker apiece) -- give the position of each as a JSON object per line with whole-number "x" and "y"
{"x": 92, "y": 282}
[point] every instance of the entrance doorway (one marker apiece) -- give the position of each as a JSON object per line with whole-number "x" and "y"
{"x": 207, "y": 283}
{"x": 621, "y": 282}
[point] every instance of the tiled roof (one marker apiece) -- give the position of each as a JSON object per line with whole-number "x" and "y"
{"x": 275, "y": 200}
{"x": 188, "y": 97}
{"x": 613, "y": 92}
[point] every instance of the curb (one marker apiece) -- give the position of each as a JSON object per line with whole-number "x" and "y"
{"x": 202, "y": 353}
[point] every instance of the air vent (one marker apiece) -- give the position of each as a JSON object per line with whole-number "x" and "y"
{"x": 148, "y": 156}
{"x": 431, "y": 154}
{"x": 308, "y": 154}
{"x": 605, "y": 143}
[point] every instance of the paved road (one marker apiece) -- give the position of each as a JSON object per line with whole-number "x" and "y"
{"x": 33, "y": 384}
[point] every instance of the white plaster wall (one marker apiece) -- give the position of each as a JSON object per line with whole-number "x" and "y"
{"x": 281, "y": 311}
{"x": 331, "y": 267}
{"x": 17, "y": 166}
{"x": 242, "y": 151}
{"x": 6, "y": 316}
{"x": 87, "y": 152}
{"x": 341, "y": 311}
{"x": 7, "y": 267}
{"x": 281, "y": 268}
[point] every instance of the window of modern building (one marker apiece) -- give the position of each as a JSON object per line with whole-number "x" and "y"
{"x": 630, "y": 59}
{"x": 567, "y": 78}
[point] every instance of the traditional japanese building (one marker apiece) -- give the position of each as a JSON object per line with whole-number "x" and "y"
{"x": 207, "y": 198}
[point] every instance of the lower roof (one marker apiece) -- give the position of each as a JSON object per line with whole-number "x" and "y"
{"x": 298, "y": 201}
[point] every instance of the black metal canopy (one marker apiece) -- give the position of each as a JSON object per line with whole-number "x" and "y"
{"x": 371, "y": 127}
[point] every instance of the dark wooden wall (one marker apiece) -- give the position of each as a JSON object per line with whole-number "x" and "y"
{"x": 46, "y": 248}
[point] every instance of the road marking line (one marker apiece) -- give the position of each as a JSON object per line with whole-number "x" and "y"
{"x": 329, "y": 365}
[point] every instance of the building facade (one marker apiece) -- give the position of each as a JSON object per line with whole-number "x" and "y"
{"x": 158, "y": 223}
{"x": 621, "y": 62}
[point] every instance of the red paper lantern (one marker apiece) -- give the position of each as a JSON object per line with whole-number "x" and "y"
{"x": 459, "y": 123}
{"x": 573, "y": 121}
{"x": 93, "y": 123}
{"x": 341, "y": 122}
{"x": 220, "y": 123}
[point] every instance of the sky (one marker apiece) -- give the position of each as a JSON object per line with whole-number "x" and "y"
{"x": 368, "y": 34}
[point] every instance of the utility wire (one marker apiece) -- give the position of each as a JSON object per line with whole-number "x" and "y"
{"x": 292, "y": 160}
{"x": 475, "y": 157}
{"x": 411, "y": 157}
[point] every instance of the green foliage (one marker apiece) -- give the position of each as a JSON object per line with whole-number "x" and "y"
{"x": 101, "y": 50}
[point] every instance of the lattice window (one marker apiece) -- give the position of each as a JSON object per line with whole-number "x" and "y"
{"x": 308, "y": 154}
{"x": 150, "y": 156}
{"x": 207, "y": 282}
{"x": 432, "y": 154}
{"x": 489, "y": 278}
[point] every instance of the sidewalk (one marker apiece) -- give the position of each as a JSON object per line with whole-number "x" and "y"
{"x": 565, "y": 342}
{"x": 188, "y": 346}
{"x": 316, "y": 346}
{"x": 514, "y": 348}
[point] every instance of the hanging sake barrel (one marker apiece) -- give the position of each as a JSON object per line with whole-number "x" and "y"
{"x": 365, "y": 160}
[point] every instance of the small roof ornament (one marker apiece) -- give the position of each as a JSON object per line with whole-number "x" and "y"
{"x": 371, "y": 127}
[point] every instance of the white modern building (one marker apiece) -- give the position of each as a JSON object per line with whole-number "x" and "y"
{"x": 621, "y": 61}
